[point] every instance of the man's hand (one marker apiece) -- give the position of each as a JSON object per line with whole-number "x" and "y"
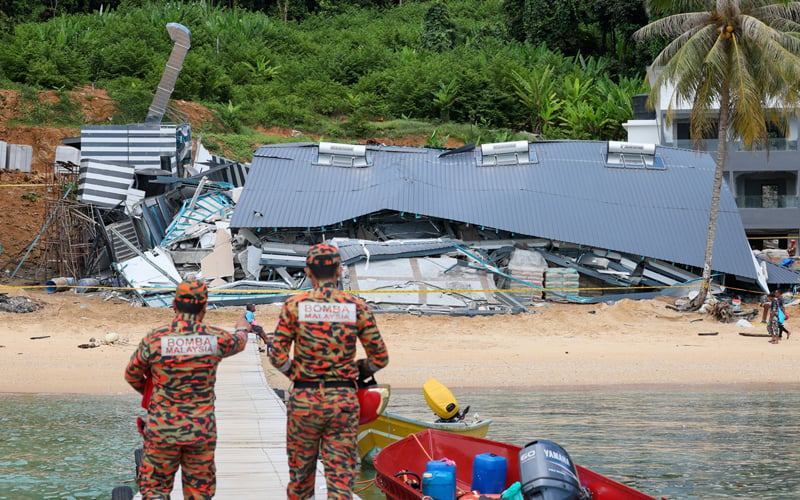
{"x": 364, "y": 370}
{"x": 365, "y": 374}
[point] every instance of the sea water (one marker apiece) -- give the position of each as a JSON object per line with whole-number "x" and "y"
{"x": 679, "y": 444}
{"x": 66, "y": 446}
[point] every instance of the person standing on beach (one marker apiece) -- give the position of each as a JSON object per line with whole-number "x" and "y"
{"x": 324, "y": 325}
{"x": 766, "y": 304}
{"x": 175, "y": 366}
{"x": 782, "y": 317}
{"x": 777, "y": 316}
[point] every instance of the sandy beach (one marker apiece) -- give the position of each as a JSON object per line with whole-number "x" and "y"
{"x": 628, "y": 344}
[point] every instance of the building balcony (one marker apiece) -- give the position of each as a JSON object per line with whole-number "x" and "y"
{"x": 774, "y": 145}
{"x": 770, "y": 219}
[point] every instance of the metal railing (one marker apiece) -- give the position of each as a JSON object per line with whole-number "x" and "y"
{"x": 707, "y": 145}
{"x": 711, "y": 145}
{"x": 781, "y": 201}
{"x": 774, "y": 145}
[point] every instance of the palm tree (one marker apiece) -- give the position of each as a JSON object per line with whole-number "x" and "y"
{"x": 731, "y": 59}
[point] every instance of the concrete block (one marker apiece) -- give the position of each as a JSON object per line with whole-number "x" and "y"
{"x": 67, "y": 155}
{"x": 20, "y": 157}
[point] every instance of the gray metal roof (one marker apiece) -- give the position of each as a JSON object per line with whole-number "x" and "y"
{"x": 778, "y": 274}
{"x": 568, "y": 194}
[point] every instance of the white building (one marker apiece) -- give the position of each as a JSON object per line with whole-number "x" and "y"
{"x": 764, "y": 184}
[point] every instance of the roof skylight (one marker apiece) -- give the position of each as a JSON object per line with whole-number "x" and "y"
{"x": 342, "y": 155}
{"x": 633, "y": 155}
{"x": 506, "y": 153}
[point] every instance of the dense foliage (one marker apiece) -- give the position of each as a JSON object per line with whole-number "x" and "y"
{"x": 339, "y": 68}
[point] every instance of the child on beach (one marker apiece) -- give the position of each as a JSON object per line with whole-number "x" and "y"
{"x": 782, "y": 325}
{"x": 248, "y": 323}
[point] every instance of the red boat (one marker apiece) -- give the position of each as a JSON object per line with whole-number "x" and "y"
{"x": 412, "y": 454}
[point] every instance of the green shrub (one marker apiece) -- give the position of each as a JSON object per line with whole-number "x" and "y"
{"x": 133, "y": 103}
{"x": 340, "y": 71}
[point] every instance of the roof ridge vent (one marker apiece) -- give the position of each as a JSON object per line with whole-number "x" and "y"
{"x": 342, "y": 155}
{"x": 505, "y": 153}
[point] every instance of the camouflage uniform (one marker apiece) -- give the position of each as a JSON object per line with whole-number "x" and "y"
{"x": 324, "y": 325}
{"x": 181, "y": 360}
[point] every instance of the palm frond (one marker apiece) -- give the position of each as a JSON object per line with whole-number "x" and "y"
{"x": 783, "y": 25}
{"x": 709, "y": 79}
{"x": 747, "y": 114}
{"x": 674, "y": 46}
{"x": 660, "y": 6}
{"x": 759, "y": 32}
{"x": 780, "y": 10}
{"x": 688, "y": 68}
{"x": 760, "y": 59}
{"x": 775, "y": 53}
{"x": 673, "y": 25}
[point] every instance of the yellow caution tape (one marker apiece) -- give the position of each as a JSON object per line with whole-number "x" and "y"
{"x": 367, "y": 292}
{"x": 24, "y": 185}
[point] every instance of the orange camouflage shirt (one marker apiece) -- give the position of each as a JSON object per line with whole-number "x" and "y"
{"x": 325, "y": 324}
{"x": 182, "y": 359}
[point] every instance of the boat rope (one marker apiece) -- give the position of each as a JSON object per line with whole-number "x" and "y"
{"x": 422, "y": 447}
{"x": 369, "y": 484}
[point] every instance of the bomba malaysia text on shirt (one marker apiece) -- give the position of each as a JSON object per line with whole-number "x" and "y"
{"x": 310, "y": 312}
{"x": 197, "y": 345}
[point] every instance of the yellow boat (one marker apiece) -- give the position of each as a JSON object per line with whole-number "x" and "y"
{"x": 389, "y": 427}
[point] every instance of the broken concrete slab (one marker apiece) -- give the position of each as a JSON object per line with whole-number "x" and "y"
{"x": 424, "y": 281}
{"x": 356, "y": 250}
{"x": 219, "y": 263}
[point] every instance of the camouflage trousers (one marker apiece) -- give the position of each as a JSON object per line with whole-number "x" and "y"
{"x": 160, "y": 462}
{"x": 322, "y": 422}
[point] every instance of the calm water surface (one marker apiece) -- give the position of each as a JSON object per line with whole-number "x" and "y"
{"x": 681, "y": 445}
{"x": 66, "y": 446}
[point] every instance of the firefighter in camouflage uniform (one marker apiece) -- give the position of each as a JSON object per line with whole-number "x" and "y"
{"x": 175, "y": 366}
{"x": 325, "y": 325}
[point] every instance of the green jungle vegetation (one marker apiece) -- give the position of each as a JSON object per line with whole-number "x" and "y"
{"x": 475, "y": 70}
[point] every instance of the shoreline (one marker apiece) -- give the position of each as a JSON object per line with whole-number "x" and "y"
{"x": 665, "y": 388}
{"x": 625, "y": 346}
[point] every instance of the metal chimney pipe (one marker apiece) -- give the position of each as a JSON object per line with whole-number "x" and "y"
{"x": 183, "y": 40}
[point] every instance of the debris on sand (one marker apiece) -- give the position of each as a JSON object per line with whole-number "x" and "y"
{"x": 18, "y": 304}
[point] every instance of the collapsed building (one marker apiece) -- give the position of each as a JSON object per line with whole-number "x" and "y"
{"x": 565, "y": 220}
{"x": 475, "y": 230}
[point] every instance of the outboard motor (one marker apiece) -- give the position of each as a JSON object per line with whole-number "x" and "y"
{"x": 546, "y": 472}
